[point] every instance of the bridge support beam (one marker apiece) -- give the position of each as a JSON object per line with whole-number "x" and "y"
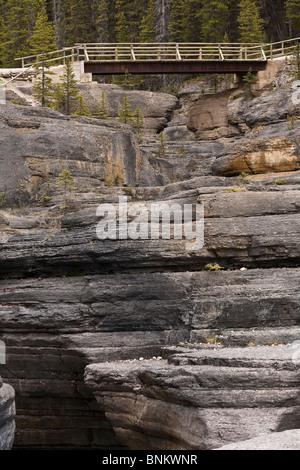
{"x": 172, "y": 67}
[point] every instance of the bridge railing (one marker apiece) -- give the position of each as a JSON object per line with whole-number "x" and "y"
{"x": 169, "y": 51}
{"x": 111, "y": 52}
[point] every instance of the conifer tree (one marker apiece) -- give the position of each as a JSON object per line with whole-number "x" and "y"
{"x": 148, "y": 24}
{"x": 17, "y": 30}
{"x": 43, "y": 88}
{"x": 43, "y": 38}
{"x": 100, "y": 10}
{"x": 162, "y": 148}
{"x": 293, "y": 16}
{"x": 250, "y": 22}
{"x": 68, "y": 89}
{"x": 295, "y": 62}
{"x": 66, "y": 182}
{"x": 176, "y": 25}
{"x": 125, "y": 114}
{"x": 128, "y": 20}
{"x": 2, "y": 36}
{"x": 138, "y": 122}
{"x": 191, "y": 22}
{"x": 123, "y": 32}
{"x": 43, "y": 41}
{"x": 103, "y": 109}
{"x": 82, "y": 109}
{"x": 215, "y": 20}
{"x": 250, "y": 79}
{"x": 58, "y": 98}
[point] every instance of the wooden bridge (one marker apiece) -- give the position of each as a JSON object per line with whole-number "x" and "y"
{"x": 167, "y": 58}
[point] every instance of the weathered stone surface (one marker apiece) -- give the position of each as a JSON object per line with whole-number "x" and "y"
{"x": 7, "y": 416}
{"x": 286, "y": 440}
{"x": 266, "y": 109}
{"x": 69, "y": 300}
{"x": 198, "y": 399}
{"x": 40, "y": 143}
{"x": 208, "y": 117}
{"x": 270, "y": 150}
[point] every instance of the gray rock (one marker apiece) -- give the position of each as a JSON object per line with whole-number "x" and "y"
{"x": 269, "y": 108}
{"x": 286, "y": 440}
{"x": 7, "y": 416}
{"x": 41, "y": 143}
{"x": 197, "y": 399}
{"x": 270, "y": 150}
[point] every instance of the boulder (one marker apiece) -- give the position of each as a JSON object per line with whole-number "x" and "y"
{"x": 270, "y": 150}
{"x": 208, "y": 117}
{"x": 268, "y": 108}
{"x": 198, "y": 399}
{"x": 41, "y": 143}
{"x": 7, "y": 416}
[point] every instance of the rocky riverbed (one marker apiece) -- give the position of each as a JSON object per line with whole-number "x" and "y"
{"x": 142, "y": 344}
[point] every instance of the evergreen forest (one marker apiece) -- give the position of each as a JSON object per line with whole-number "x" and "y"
{"x": 34, "y": 26}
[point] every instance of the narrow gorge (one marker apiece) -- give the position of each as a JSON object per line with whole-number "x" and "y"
{"x": 143, "y": 344}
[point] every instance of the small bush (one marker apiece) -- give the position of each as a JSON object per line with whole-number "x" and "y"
{"x": 2, "y": 198}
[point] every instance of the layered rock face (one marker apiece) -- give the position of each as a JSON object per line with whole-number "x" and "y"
{"x": 7, "y": 416}
{"x": 143, "y": 344}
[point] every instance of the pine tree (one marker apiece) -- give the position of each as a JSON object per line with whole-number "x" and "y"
{"x": 162, "y": 148}
{"x": 191, "y": 22}
{"x": 250, "y": 79}
{"x": 78, "y": 24}
{"x": 43, "y": 38}
{"x": 125, "y": 114}
{"x": 17, "y": 30}
{"x": 293, "y": 16}
{"x": 100, "y": 11}
{"x": 215, "y": 20}
{"x": 138, "y": 122}
{"x": 69, "y": 89}
{"x": 123, "y": 32}
{"x": 176, "y": 25}
{"x": 250, "y": 22}
{"x": 103, "y": 109}
{"x": 128, "y": 20}
{"x": 148, "y": 25}
{"x": 66, "y": 182}
{"x": 58, "y": 98}
{"x": 43, "y": 41}
{"x": 43, "y": 88}
{"x": 82, "y": 109}
{"x": 295, "y": 62}
{"x": 2, "y": 35}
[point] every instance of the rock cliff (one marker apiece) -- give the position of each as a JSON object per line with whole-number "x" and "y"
{"x": 142, "y": 344}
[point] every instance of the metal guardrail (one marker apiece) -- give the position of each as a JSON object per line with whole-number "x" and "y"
{"x": 112, "y": 52}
